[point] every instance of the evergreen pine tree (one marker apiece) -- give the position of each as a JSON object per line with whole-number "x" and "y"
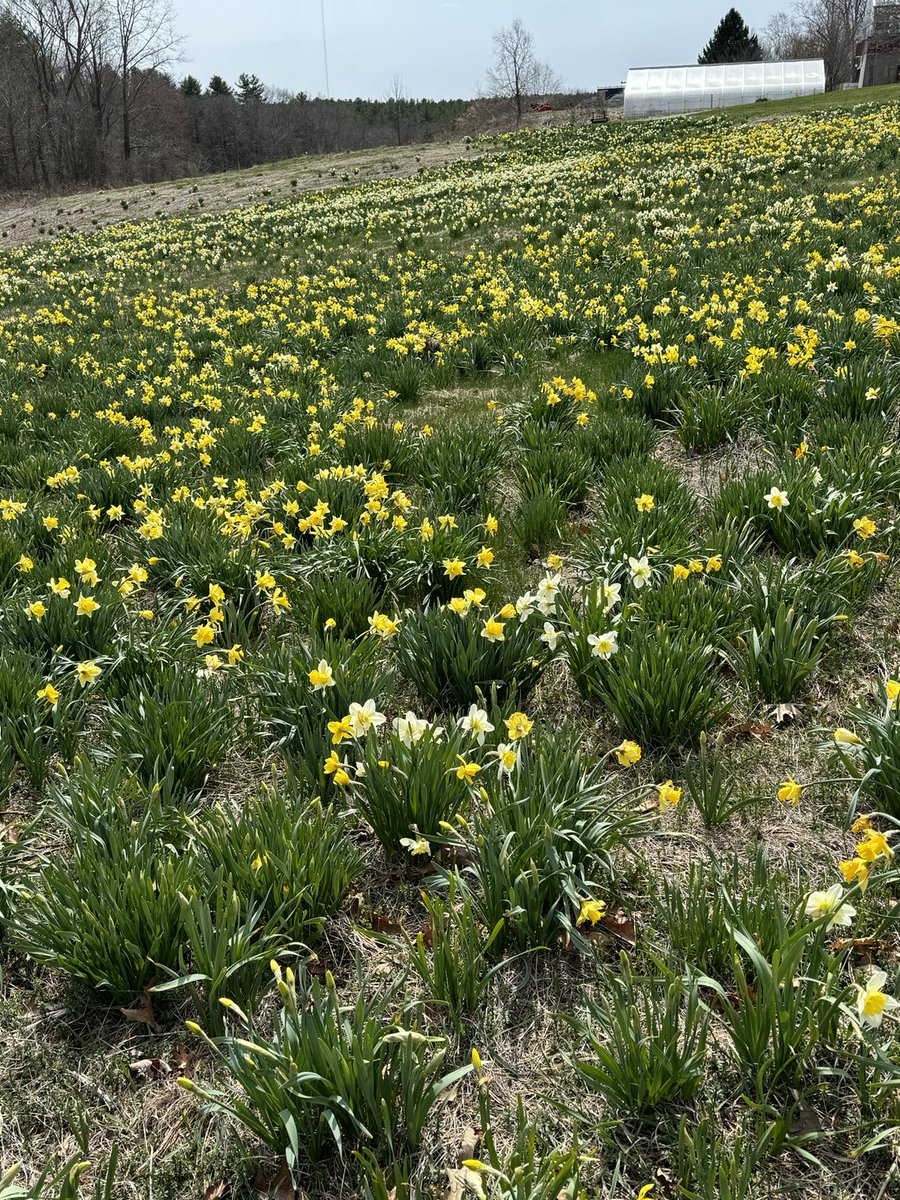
{"x": 218, "y": 87}
{"x": 250, "y": 89}
{"x": 190, "y": 86}
{"x": 733, "y": 41}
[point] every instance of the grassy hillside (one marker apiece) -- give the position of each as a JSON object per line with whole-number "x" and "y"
{"x": 449, "y": 739}
{"x": 848, "y": 99}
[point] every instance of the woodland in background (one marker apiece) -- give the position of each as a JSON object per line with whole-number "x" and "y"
{"x": 86, "y": 99}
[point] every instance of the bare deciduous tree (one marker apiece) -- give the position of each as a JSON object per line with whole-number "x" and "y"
{"x": 826, "y": 29}
{"x": 516, "y": 73}
{"x": 145, "y": 42}
{"x": 398, "y": 104}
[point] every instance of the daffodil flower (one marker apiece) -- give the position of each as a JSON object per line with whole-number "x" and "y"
{"x": 872, "y": 1003}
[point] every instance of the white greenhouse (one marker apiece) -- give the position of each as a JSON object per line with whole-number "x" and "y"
{"x": 659, "y": 91}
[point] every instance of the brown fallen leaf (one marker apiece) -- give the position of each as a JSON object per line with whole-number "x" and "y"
{"x": 217, "y": 1191}
{"x": 428, "y": 935}
{"x": 621, "y": 926}
{"x": 468, "y": 1145}
{"x": 784, "y": 714}
{"x": 181, "y": 1059}
{"x": 382, "y": 924}
{"x": 142, "y": 1013}
{"x": 806, "y": 1120}
{"x": 732, "y": 999}
{"x": 757, "y": 729}
{"x": 864, "y": 948}
{"x": 149, "y": 1068}
{"x": 462, "y": 1182}
{"x": 276, "y": 1185}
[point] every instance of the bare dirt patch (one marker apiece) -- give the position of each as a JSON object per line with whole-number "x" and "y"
{"x": 34, "y": 217}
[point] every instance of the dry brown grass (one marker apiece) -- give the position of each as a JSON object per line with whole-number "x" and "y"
{"x": 33, "y": 217}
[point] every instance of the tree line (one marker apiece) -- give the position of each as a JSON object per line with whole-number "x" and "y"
{"x": 826, "y": 29}
{"x": 86, "y": 99}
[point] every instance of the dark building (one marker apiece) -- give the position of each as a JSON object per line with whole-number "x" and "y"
{"x": 878, "y": 55}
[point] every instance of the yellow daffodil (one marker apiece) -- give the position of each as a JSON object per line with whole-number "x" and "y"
{"x": 790, "y": 791}
{"x": 49, "y": 693}
{"x": 321, "y": 676}
{"x": 88, "y": 672}
{"x": 872, "y": 1003}
{"x": 518, "y": 726}
{"x": 669, "y": 795}
{"x": 628, "y": 753}
{"x": 591, "y": 911}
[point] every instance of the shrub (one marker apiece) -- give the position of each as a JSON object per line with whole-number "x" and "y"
{"x": 378, "y": 447}
{"x": 223, "y": 952}
{"x": 776, "y": 660}
{"x": 28, "y": 724}
{"x": 563, "y": 470}
{"x": 710, "y": 1170}
{"x": 410, "y": 786}
{"x": 538, "y": 523}
{"x": 715, "y": 794}
{"x": 347, "y": 599}
{"x": 458, "y": 465}
{"x": 874, "y": 759}
{"x": 293, "y": 717}
{"x": 532, "y": 1167}
{"x": 816, "y": 517}
{"x": 451, "y": 956}
{"x": 697, "y": 913}
{"x": 709, "y": 416}
{"x": 609, "y": 437}
{"x": 785, "y": 1010}
{"x": 109, "y": 913}
{"x": 669, "y": 523}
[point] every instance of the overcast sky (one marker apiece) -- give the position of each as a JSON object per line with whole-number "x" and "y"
{"x": 441, "y": 48}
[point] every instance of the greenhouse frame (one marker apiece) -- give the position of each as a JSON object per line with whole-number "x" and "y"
{"x": 661, "y": 91}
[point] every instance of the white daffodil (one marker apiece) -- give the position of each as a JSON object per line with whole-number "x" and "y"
{"x": 525, "y": 606}
{"x": 417, "y": 845}
{"x": 550, "y": 637}
{"x": 409, "y": 728}
{"x": 508, "y": 756}
{"x": 641, "y": 571}
{"x": 872, "y": 1002}
{"x": 364, "y": 717}
{"x": 604, "y": 645}
{"x": 610, "y": 594}
{"x": 476, "y": 722}
{"x": 831, "y": 901}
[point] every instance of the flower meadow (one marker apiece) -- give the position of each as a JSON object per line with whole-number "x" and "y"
{"x": 449, "y": 680}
